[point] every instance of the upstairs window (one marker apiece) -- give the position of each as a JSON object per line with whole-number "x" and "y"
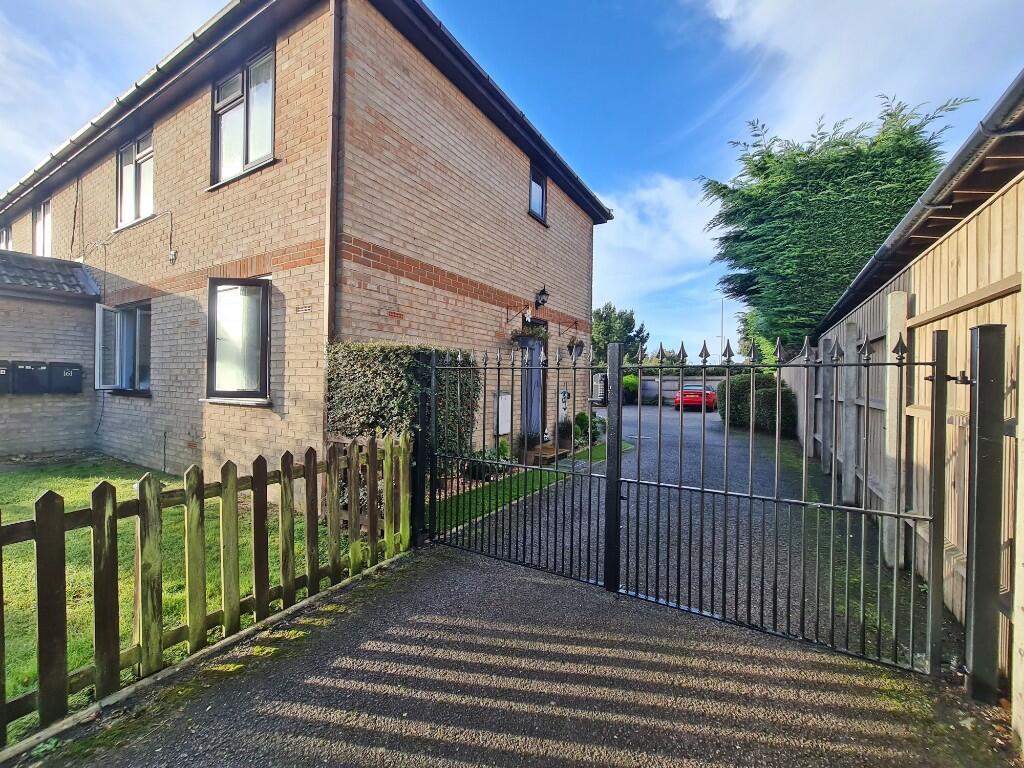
{"x": 42, "y": 229}
{"x": 135, "y": 180}
{"x": 238, "y": 338}
{"x": 5, "y": 239}
{"x": 243, "y": 107}
{"x": 538, "y": 194}
{"x": 123, "y": 347}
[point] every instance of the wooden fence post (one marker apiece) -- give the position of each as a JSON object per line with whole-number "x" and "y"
{"x": 388, "y": 448}
{"x": 896, "y": 327}
{"x": 334, "y": 511}
{"x": 355, "y": 548}
{"x": 149, "y": 587}
{"x": 825, "y": 347}
{"x": 106, "y": 640}
{"x": 312, "y": 522}
{"x": 373, "y": 521}
{"x": 195, "y": 558}
{"x": 229, "y": 575}
{"x": 287, "y": 531}
{"x": 851, "y": 424}
{"x": 51, "y": 606}
{"x": 3, "y": 660}
{"x": 260, "y": 542}
{"x": 405, "y": 481}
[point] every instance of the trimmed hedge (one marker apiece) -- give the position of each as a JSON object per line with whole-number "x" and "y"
{"x": 764, "y": 401}
{"x": 374, "y": 385}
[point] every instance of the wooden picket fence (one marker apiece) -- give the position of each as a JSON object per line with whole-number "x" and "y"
{"x": 375, "y": 472}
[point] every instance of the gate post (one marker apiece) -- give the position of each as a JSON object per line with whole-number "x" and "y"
{"x": 420, "y": 439}
{"x": 613, "y": 470}
{"x": 937, "y": 498}
{"x": 984, "y": 510}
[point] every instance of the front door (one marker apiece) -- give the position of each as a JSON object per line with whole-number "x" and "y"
{"x": 532, "y": 409}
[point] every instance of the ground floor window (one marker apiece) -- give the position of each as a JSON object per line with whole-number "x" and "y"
{"x": 238, "y": 338}
{"x": 123, "y": 347}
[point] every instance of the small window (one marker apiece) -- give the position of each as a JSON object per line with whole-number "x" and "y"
{"x": 243, "y": 119}
{"x": 123, "y": 347}
{"x": 5, "y": 239}
{"x": 538, "y": 193}
{"x": 42, "y": 229}
{"x": 238, "y": 338}
{"x": 135, "y": 180}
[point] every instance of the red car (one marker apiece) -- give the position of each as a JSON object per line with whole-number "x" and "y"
{"x": 692, "y": 395}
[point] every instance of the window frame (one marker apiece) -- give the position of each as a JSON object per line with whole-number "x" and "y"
{"x": 120, "y": 314}
{"x": 217, "y": 108}
{"x": 5, "y": 239}
{"x": 541, "y": 179}
{"x": 137, "y": 160}
{"x": 37, "y": 213}
{"x": 263, "y": 393}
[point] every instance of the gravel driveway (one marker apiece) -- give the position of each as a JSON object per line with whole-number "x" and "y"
{"x": 454, "y": 659}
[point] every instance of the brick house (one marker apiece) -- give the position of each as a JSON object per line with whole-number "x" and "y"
{"x": 296, "y": 171}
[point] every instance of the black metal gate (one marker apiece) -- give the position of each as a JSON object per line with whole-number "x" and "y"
{"x": 512, "y": 478}
{"x": 712, "y": 507}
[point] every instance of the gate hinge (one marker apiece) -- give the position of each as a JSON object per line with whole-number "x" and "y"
{"x": 947, "y": 377}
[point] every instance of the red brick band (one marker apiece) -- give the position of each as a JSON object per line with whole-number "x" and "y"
{"x": 280, "y": 260}
{"x": 384, "y": 259}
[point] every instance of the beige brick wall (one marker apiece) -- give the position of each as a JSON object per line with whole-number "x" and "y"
{"x": 270, "y": 222}
{"x": 59, "y": 332}
{"x": 437, "y": 244}
{"x": 428, "y": 176}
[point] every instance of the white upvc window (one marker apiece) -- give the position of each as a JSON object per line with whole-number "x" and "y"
{"x": 42, "y": 229}
{"x": 123, "y": 347}
{"x": 135, "y": 180}
{"x": 5, "y": 239}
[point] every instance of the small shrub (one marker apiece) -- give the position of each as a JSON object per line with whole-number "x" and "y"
{"x": 630, "y": 388}
{"x": 600, "y": 424}
{"x": 764, "y": 404}
{"x": 527, "y": 441}
{"x": 487, "y": 464}
{"x": 582, "y": 420}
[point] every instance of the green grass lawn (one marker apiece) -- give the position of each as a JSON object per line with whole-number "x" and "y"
{"x": 74, "y": 481}
{"x": 493, "y": 495}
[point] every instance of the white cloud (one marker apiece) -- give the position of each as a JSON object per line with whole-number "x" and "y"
{"x": 62, "y": 62}
{"x": 655, "y": 257}
{"x": 656, "y": 240}
{"x": 806, "y": 59}
{"x": 832, "y": 58}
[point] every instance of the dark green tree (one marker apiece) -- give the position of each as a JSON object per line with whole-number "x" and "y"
{"x": 751, "y": 331}
{"x": 801, "y": 218}
{"x": 611, "y": 324}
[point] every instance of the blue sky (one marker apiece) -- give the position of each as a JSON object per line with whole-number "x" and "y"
{"x": 640, "y": 96}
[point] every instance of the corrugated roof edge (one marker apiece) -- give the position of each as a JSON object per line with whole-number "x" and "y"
{"x": 1006, "y": 111}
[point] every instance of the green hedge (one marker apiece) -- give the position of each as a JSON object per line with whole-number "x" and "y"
{"x": 764, "y": 401}
{"x": 630, "y": 388}
{"x": 373, "y": 386}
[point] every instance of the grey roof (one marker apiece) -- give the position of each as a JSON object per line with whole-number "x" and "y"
{"x": 41, "y": 277}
